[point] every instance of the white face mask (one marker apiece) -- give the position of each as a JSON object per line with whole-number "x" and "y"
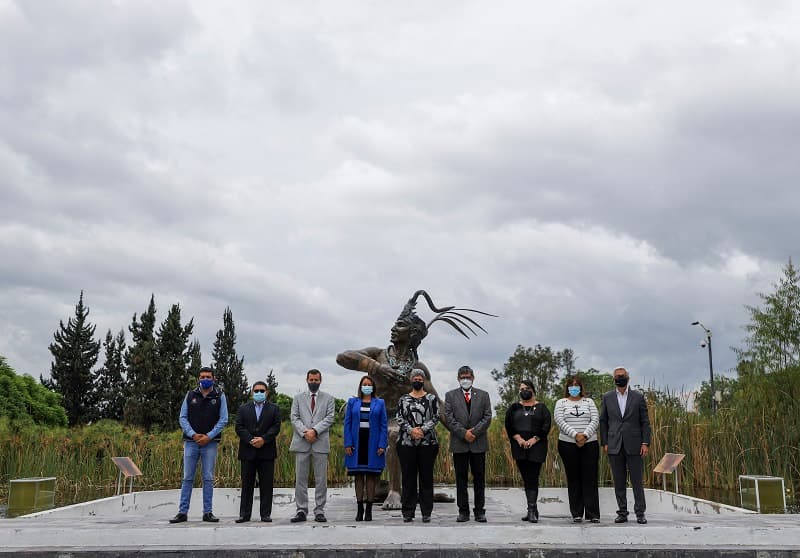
{"x": 465, "y": 383}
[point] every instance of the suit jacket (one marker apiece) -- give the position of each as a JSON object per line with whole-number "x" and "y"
{"x": 267, "y": 427}
{"x": 458, "y": 419}
{"x": 320, "y": 420}
{"x": 627, "y": 432}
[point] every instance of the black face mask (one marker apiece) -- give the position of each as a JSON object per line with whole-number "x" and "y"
{"x": 417, "y": 385}
{"x": 313, "y": 387}
{"x": 525, "y": 394}
{"x": 621, "y": 381}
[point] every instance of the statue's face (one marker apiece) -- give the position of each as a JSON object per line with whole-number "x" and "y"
{"x": 400, "y": 332}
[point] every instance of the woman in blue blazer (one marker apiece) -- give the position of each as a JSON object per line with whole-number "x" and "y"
{"x": 365, "y": 438}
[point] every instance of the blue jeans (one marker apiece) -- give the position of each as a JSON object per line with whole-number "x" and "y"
{"x": 207, "y": 455}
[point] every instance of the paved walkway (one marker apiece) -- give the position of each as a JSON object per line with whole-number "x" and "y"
{"x": 137, "y": 525}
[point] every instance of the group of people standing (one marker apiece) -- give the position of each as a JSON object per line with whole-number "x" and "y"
{"x": 621, "y": 427}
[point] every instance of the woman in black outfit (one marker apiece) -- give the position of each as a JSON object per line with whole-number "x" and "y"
{"x": 527, "y": 425}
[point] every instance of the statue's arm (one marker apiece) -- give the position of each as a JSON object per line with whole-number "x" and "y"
{"x": 363, "y": 360}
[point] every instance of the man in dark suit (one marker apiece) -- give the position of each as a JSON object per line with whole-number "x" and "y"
{"x": 258, "y": 422}
{"x": 468, "y": 413}
{"x": 625, "y": 436}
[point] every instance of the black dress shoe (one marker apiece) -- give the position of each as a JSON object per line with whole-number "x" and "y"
{"x": 621, "y": 519}
{"x": 320, "y": 518}
{"x": 480, "y": 517}
{"x": 407, "y": 519}
{"x": 641, "y": 520}
{"x": 242, "y": 520}
{"x": 298, "y": 518}
{"x": 577, "y": 519}
{"x": 462, "y": 517}
{"x": 266, "y": 519}
{"x": 426, "y": 519}
{"x": 210, "y": 518}
{"x": 180, "y": 518}
{"x": 594, "y": 520}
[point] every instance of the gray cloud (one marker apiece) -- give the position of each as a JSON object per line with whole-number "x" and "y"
{"x": 598, "y": 178}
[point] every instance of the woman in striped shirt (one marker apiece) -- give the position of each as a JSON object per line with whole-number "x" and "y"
{"x": 577, "y": 419}
{"x": 365, "y": 439}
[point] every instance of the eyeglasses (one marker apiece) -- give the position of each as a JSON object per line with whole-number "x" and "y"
{"x": 259, "y": 391}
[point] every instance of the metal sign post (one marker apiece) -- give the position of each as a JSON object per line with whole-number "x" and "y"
{"x": 669, "y": 465}
{"x": 128, "y": 470}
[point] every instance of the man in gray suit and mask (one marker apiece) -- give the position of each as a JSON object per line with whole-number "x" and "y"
{"x": 468, "y": 413}
{"x": 625, "y": 437}
{"x": 311, "y": 416}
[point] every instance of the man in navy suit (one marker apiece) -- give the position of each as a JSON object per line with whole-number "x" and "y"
{"x": 625, "y": 437}
{"x": 258, "y": 422}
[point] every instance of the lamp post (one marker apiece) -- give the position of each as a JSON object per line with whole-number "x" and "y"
{"x": 710, "y": 366}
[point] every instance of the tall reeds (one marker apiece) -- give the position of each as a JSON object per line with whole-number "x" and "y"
{"x": 742, "y": 438}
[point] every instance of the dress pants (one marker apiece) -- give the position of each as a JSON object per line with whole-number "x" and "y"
{"x": 265, "y": 468}
{"x": 417, "y": 462}
{"x": 462, "y": 463}
{"x": 581, "y": 465}
{"x": 621, "y": 464}
{"x": 302, "y": 466}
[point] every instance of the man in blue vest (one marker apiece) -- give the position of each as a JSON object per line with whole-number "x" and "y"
{"x": 204, "y": 413}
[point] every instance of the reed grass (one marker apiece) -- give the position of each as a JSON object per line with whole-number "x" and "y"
{"x": 763, "y": 440}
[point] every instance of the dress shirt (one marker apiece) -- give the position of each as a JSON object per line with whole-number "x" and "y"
{"x": 622, "y": 399}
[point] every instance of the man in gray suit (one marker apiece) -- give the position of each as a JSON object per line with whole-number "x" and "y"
{"x": 311, "y": 416}
{"x": 625, "y": 437}
{"x": 468, "y": 413}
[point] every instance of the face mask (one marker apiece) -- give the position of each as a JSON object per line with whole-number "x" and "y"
{"x": 313, "y": 387}
{"x": 574, "y": 391}
{"x": 465, "y": 383}
{"x": 525, "y": 394}
{"x": 366, "y": 390}
{"x": 621, "y": 381}
{"x": 206, "y": 383}
{"x": 259, "y": 397}
{"x": 417, "y": 385}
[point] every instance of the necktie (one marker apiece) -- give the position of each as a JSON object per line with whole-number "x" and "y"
{"x": 313, "y": 401}
{"x": 466, "y": 396}
{"x": 258, "y": 412}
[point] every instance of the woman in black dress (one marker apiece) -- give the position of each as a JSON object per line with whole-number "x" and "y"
{"x": 527, "y": 425}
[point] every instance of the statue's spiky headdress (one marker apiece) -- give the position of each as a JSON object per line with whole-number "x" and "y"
{"x": 450, "y": 315}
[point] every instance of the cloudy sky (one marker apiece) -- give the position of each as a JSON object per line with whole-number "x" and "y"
{"x": 597, "y": 174}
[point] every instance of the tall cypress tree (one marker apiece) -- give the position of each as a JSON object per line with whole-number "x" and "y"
{"x": 272, "y": 384}
{"x": 195, "y": 363}
{"x": 75, "y": 352}
{"x": 171, "y": 378}
{"x": 110, "y": 382}
{"x": 142, "y": 361}
{"x": 228, "y": 366}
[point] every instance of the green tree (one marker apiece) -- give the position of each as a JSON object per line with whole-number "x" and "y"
{"x": 110, "y": 379}
{"x": 284, "y": 403}
{"x": 773, "y": 334}
{"x": 228, "y": 366}
{"x": 168, "y": 385}
{"x": 141, "y": 360}
{"x": 595, "y": 383}
{"x": 724, "y": 385}
{"x": 23, "y": 399}
{"x": 195, "y": 364}
{"x": 75, "y": 352}
{"x": 539, "y": 364}
{"x": 272, "y": 384}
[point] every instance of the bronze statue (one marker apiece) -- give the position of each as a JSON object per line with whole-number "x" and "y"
{"x": 390, "y": 368}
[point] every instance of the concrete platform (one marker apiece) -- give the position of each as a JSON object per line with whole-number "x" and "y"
{"x": 136, "y": 525}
